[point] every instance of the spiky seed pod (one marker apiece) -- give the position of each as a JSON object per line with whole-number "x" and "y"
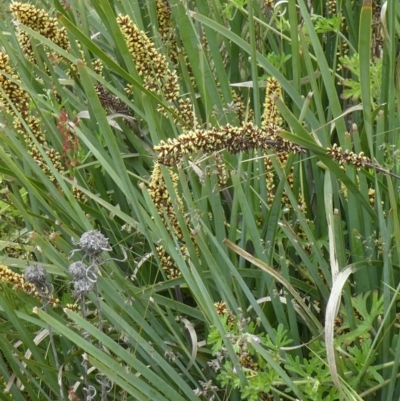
{"x": 186, "y": 112}
{"x": 20, "y": 100}
{"x": 97, "y": 66}
{"x": 93, "y": 243}
{"x": 36, "y": 275}
{"x": 41, "y": 22}
{"x": 246, "y": 360}
{"x": 79, "y": 195}
{"x": 221, "y": 308}
{"x": 164, "y": 18}
{"x": 82, "y": 287}
{"x": 150, "y": 64}
{"x": 239, "y": 108}
{"x": 55, "y": 158}
{"x": 78, "y": 270}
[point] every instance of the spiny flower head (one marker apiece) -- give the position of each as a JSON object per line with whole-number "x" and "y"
{"x": 37, "y": 275}
{"x": 11, "y": 277}
{"x": 21, "y": 282}
{"x": 82, "y": 287}
{"x": 150, "y": 64}
{"x": 82, "y": 283}
{"x": 78, "y": 270}
{"x": 93, "y": 243}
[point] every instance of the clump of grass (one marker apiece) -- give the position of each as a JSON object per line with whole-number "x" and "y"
{"x": 252, "y": 232}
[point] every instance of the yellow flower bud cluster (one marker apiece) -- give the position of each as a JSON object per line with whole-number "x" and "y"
{"x": 150, "y": 64}
{"x": 159, "y": 194}
{"x": 166, "y": 29}
{"x": 18, "y": 102}
{"x": 272, "y": 118}
{"x": 228, "y": 137}
{"x": 42, "y": 23}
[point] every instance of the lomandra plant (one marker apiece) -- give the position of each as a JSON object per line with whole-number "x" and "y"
{"x": 208, "y": 194}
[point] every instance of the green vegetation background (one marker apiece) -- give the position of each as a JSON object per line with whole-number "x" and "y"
{"x": 253, "y": 256}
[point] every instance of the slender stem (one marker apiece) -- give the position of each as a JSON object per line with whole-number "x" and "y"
{"x": 45, "y": 297}
{"x": 100, "y": 327}
{"x": 54, "y": 350}
{"x": 84, "y": 362}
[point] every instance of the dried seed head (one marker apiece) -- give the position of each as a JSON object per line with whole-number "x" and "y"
{"x": 82, "y": 287}
{"x": 78, "y": 270}
{"x": 37, "y": 275}
{"x": 93, "y": 243}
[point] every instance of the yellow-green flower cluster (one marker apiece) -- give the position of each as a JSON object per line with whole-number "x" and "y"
{"x": 19, "y": 98}
{"x": 39, "y": 21}
{"x": 186, "y": 118}
{"x": 167, "y": 33}
{"x": 240, "y": 109}
{"x": 166, "y": 29}
{"x": 150, "y": 64}
{"x": 272, "y": 119}
{"x": 159, "y": 194}
{"x": 228, "y": 137}
{"x": 349, "y": 157}
{"x": 220, "y": 169}
{"x": 8, "y": 82}
{"x": 186, "y": 112}
{"x": 222, "y": 310}
{"x": 331, "y": 5}
{"x": 271, "y": 115}
{"x": 169, "y": 266}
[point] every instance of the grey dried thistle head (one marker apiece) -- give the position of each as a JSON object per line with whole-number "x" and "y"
{"x": 36, "y": 275}
{"x": 82, "y": 287}
{"x": 78, "y": 270}
{"x": 94, "y": 243}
